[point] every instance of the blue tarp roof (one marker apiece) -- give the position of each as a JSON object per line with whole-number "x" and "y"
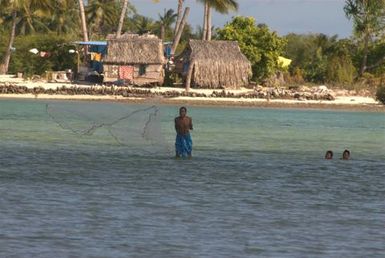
{"x": 92, "y": 43}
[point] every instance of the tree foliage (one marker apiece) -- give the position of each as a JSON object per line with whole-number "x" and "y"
{"x": 261, "y": 46}
{"x": 367, "y": 15}
{"x": 340, "y": 68}
{"x": 61, "y": 17}
{"x": 58, "y": 57}
{"x": 141, "y": 24}
{"x": 102, "y": 17}
{"x": 165, "y": 21}
{"x": 320, "y": 58}
{"x": 368, "y": 21}
{"x": 315, "y": 57}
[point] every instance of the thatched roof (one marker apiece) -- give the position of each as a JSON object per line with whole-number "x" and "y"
{"x": 218, "y": 64}
{"x": 134, "y": 50}
{"x": 129, "y": 35}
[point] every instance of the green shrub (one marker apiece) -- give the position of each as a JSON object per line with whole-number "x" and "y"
{"x": 340, "y": 70}
{"x": 257, "y": 42}
{"x": 380, "y": 95}
{"x": 57, "y": 46}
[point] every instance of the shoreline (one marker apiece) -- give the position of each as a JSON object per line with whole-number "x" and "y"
{"x": 18, "y": 88}
{"x": 355, "y": 104}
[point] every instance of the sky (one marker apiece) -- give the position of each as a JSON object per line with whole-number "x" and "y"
{"x": 282, "y": 16}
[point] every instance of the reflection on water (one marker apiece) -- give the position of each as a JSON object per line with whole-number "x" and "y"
{"x": 255, "y": 187}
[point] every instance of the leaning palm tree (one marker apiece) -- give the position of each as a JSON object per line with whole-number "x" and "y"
{"x": 121, "y": 20}
{"x": 178, "y": 35}
{"x": 179, "y": 16}
{"x": 221, "y": 6}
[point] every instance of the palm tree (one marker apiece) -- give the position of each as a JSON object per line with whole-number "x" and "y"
{"x": 17, "y": 9}
{"x": 102, "y": 16}
{"x": 61, "y": 17}
{"x": 7, "y": 56}
{"x": 166, "y": 21}
{"x": 142, "y": 24}
{"x": 83, "y": 20}
{"x": 121, "y": 20}
{"x": 369, "y": 19}
{"x": 179, "y": 16}
{"x": 180, "y": 30}
{"x": 221, "y": 6}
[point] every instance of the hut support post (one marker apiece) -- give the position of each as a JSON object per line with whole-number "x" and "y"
{"x": 188, "y": 77}
{"x": 77, "y": 62}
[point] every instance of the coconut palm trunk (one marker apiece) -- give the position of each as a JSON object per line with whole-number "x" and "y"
{"x": 179, "y": 17}
{"x": 180, "y": 31}
{"x": 221, "y": 6}
{"x": 205, "y": 20}
{"x": 209, "y": 32}
{"x": 83, "y": 20}
{"x": 121, "y": 20}
{"x": 7, "y": 57}
{"x": 365, "y": 54}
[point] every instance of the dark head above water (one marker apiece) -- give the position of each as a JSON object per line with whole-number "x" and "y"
{"x": 329, "y": 155}
{"x": 346, "y": 155}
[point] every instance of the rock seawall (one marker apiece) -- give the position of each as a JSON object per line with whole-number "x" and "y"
{"x": 301, "y": 93}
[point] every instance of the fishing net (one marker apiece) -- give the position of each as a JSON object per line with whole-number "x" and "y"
{"x": 137, "y": 127}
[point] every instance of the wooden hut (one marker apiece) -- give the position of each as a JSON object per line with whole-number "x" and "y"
{"x": 135, "y": 59}
{"x": 214, "y": 64}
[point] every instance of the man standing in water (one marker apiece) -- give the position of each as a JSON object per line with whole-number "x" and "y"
{"x": 183, "y": 141}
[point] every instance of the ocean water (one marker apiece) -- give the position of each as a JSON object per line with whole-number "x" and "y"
{"x": 257, "y": 186}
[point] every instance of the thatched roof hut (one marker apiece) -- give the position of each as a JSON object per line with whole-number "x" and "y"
{"x": 136, "y": 59}
{"x": 214, "y": 64}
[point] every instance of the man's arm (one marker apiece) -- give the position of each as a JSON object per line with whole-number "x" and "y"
{"x": 191, "y": 125}
{"x": 176, "y": 124}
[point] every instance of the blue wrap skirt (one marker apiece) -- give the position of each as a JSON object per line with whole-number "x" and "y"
{"x": 183, "y": 145}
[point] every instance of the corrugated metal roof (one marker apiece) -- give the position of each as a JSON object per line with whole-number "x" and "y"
{"x": 92, "y": 43}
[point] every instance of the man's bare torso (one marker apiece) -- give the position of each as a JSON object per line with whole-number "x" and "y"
{"x": 183, "y": 125}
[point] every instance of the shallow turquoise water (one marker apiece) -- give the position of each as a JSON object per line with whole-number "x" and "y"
{"x": 257, "y": 186}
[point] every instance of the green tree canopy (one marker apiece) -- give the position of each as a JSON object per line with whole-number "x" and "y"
{"x": 369, "y": 23}
{"x": 58, "y": 58}
{"x": 60, "y": 18}
{"x": 141, "y": 24}
{"x": 260, "y": 45}
{"x": 320, "y": 58}
{"x": 102, "y": 17}
{"x": 340, "y": 68}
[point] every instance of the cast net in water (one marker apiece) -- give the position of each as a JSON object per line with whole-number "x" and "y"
{"x": 137, "y": 127}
